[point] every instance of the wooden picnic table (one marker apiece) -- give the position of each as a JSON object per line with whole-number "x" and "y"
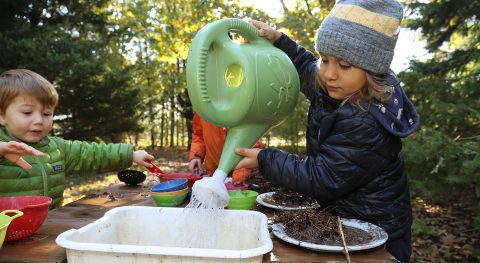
{"x": 41, "y": 246}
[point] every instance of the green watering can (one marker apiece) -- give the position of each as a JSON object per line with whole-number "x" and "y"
{"x": 5, "y": 221}
{"x": 248, "y": 88}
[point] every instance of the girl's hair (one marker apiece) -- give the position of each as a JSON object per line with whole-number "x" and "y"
{"x": 25, "y": 82}
{"x": 376, "y": 90}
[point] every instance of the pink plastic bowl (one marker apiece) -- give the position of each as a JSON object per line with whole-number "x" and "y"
{"x": 192, "y": 178}
{"x": 35, "y": 211}
{"x": 231, "y": 186}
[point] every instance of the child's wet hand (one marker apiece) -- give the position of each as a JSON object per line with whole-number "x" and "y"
{"x": 266, "y": 31}
{"x": 13, "y": 151}
{"x": 249, "y": 159}
{"x": 141, "y": 157}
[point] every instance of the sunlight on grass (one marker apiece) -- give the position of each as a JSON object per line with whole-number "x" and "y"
{"x": 78, "y": 191}
{"x": 427, "y": 207}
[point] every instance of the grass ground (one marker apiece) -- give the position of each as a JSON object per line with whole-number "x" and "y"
{"x": 441, "y": 234}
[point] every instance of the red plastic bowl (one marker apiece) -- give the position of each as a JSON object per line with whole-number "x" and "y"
{"x": 35, "y": 211}
{"x": 192, "y": 178}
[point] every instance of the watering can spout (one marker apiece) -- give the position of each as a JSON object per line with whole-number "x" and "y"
{"x": 243, "y": 136}
{"x": 211, "y": 192}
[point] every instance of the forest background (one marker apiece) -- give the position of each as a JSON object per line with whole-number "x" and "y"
{"x": 119, "y": 68}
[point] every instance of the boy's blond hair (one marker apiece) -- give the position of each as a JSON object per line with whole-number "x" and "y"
{"x": 26, "y": 82}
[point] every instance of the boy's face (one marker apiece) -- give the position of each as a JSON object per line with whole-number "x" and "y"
{"x": 27, "y": 119}
{"x": 340, "y": 78}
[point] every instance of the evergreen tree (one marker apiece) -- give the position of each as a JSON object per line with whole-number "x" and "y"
{"x": 68, "y": 42}
{"x": 444, "y": 157}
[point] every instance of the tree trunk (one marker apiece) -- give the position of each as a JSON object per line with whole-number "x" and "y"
{"x": 153, "y": 131}
{"x": 152, "y": 137}
{"x": 180, "y": 133}
{"x": 162, "y": 127}
{"x": 268, "y": 140}
{"x": 186, "y": 113}
{"x": 172, "y": 120}
{"x": 188, "y": 123}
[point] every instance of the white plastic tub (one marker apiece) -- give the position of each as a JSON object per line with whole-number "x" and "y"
{"x": 159, "y": 234}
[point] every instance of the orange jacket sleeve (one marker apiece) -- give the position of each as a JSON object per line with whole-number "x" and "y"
{"x": 197, "y": 149}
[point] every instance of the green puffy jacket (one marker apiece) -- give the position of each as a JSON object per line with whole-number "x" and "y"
{"x": 62, "y": 157}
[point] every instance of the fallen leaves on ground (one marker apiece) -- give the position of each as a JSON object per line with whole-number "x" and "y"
{"x": 444, "y": 233}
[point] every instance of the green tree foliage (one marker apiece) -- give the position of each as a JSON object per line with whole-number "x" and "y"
{"x": 290, "y": 134}
{"x": 444, "y": 157}
{"x": 157, "y": 35}
{"x": 69, "y": 44}
{"x": 300, "y": 23}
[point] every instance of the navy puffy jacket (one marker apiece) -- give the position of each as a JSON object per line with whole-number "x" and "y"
{"x": 354, "y": 163}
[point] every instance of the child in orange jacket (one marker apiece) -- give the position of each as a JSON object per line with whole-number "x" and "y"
{"x": 207, "y": 146}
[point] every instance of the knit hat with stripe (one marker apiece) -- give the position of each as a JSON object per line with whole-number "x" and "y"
{"x": 361, "y": 32}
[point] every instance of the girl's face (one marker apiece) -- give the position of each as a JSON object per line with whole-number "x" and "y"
{"x": 340, "y": 78}
{"x": 27, "y": 119}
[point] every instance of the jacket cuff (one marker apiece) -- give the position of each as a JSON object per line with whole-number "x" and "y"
{"x": 282, "y": 40}
{"x": 196, "y": 157}
{"x": 263, "y": 164}
{"x": 129, "y": 157}
{"x": 287, "y": 45}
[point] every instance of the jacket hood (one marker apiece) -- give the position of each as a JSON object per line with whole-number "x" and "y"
{"x": 399, "y": 117}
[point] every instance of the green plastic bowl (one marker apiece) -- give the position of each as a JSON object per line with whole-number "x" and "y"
{"x": 169, "y": 200}
{"x": 241, "y": 199}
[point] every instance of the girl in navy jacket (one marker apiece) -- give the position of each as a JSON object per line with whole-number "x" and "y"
{"x": 358, "y": 114}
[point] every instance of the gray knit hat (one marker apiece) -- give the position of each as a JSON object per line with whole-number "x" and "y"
{"x": 361, "y": 32}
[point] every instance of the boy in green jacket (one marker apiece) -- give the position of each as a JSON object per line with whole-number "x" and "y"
{"x": 27, "y": 104}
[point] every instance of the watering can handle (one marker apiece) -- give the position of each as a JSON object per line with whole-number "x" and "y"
{"x": 16, "y": 212}
{"x": 249, "y": 31}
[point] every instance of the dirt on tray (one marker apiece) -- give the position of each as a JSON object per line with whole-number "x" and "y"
{"x": 282, "y": 196}
{"x": 320, "y": 227}
{"x": 287, "y": 198}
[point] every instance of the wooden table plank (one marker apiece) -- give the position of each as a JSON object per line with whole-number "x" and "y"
{"x": 41, "y": 246}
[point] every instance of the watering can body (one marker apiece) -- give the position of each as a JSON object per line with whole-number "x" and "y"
{"x": 248, "y": 87}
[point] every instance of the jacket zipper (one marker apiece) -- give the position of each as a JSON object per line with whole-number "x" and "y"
{"x": 44, "y": 176}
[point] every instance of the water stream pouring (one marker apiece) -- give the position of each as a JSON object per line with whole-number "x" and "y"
{"x": 247, "y": 88}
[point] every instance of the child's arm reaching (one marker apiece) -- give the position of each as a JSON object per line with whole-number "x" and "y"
{"x": 266, "y": 31}
{"x": 13, "y": 151}
{"x": 141, "y": 157}
{"x": 249, "y": 159}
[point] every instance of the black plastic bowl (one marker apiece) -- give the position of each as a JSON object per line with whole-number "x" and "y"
{"x": 131, "y": 177}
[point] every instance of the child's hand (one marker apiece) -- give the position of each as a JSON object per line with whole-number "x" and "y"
{"x": 195, "y": 164}
{"x": 266, "y": 31}
{"x": 141, "y": 157}
{"x": 13, "y": 151}
{"x": 249, "y": 159}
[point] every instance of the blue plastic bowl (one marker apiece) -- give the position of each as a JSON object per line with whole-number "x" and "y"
{"x": 172, "y": 185}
